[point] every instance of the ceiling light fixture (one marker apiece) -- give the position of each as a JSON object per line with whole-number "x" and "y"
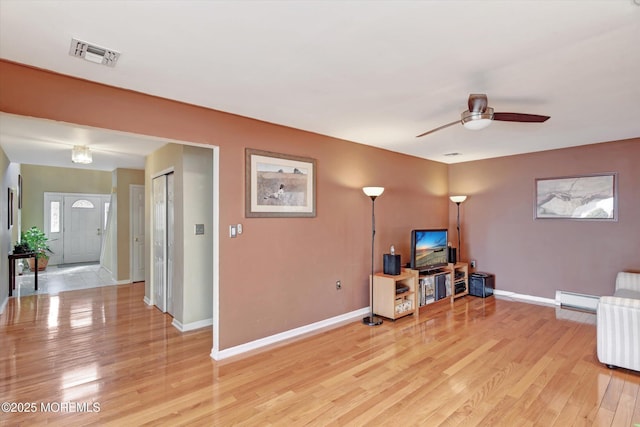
{"x": 477, "y": 120}
{"x": 93, "y": 53}
{"x": 81, "y": 154}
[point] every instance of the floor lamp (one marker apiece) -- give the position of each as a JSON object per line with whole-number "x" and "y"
{"x": 372, "y": 192}
{"x": 457, "y": 200}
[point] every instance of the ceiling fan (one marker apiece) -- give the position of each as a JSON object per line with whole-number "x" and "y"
{"x": 479, "y": 116}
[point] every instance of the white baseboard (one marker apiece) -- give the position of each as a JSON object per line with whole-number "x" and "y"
{"x": 147, "y": 300}
{"x": 273, "y": 339}
{"x": 191, "y": 326}
{"x": 4, "y": 305}
{"x": 524, "y": 298}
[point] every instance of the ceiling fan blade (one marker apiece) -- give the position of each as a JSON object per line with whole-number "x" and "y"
{"x": 477, "y": 103}
{"x": 520, "y": 117}
{"x": 438, "y": 128}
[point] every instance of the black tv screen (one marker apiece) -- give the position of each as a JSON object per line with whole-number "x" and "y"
{"x": 429, "y": 249}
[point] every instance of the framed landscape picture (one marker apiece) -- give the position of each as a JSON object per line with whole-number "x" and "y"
{"x": 587, "y": 197}
{"x": 279, "y": 185}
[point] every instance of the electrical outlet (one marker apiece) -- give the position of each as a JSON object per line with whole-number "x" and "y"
{"x": 233, "y": 231}
{"x": 473, "y": 263}
{"x": 338, "y": 284}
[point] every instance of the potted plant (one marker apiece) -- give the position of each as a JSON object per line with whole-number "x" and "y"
{"x": 37, "y": 242}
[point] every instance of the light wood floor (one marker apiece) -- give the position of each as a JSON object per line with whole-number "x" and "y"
{"x": 479, "y": 362}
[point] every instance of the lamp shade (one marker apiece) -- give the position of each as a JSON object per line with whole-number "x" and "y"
{"x": 81, "y": 154}
{"x": 458, "y": 199}
{"x": 477, "y": 120}
{"x": 373, "y": 191}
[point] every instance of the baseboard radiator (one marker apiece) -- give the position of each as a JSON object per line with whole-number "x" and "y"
{"x": 577, "y": 301}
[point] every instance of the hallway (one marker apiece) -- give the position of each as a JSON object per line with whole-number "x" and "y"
{"x": 66, "y": 277}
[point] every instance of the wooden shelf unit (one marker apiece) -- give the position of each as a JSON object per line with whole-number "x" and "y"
{"x": 389, "y": 304}
{"x": 441, "y": 284}
{"x": 460, "y": 277}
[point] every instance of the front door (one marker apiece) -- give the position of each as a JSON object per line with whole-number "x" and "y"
{"x": 82, "y": 228}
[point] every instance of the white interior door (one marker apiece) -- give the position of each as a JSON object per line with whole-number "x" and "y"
{"x": 159, "y": 226}
{"x": 170, "y": 242}
{"x": 137, "y": 232}
{"x": 82, "y": 228}
{"x": 163, "y": 242}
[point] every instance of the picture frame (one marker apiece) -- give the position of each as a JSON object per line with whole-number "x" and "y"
{"x": 582, "y": 197}
{"x": 279, "y": 185}
{"x": 9, "y": 208}
{"x": 19, "y": 191}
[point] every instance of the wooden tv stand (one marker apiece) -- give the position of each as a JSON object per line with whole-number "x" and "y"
{"x": 388, "y": 303}
{"x": 422, "y": 289}
{"x": 441, "y": 284}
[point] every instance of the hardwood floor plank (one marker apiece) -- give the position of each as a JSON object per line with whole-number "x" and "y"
{"x": 476, "y": 362}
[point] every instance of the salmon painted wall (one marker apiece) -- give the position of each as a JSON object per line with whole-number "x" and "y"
{"x": 538, "y": 257}
{"x": 280, "y": 273}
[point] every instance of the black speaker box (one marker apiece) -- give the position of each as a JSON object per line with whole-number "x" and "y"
{"x": 481, "y": 284}
{"x": 391, "y": 264}
{"x": 440, "y": 286}
{"x": 452, "y": 255}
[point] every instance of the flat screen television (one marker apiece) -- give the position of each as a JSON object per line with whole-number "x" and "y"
{"x": 429, "y": 249}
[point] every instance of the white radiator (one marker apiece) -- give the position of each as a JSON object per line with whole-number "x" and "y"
{"x": 579, "y": 301}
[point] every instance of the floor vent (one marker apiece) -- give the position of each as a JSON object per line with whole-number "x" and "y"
{"x": 93, "y": 53}
{"x": 577, "y": 301}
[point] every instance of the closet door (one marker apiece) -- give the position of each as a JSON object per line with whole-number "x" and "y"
{"x": 159, "y": 279}
{"x": 170, "y": 242}
{"x": 163, "y": 242}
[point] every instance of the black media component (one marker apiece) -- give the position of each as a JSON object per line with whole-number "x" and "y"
{"x": 453, "y": 256}
{"x": 391, "y": 264}
{"x": 441, "y": 286}
{"x": 481, "y": 284}
{"x": 400, "y": 289}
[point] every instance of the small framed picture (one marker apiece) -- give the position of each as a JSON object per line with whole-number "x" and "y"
{"x": 9, "y": 208}
{"x": 279, "y": 185}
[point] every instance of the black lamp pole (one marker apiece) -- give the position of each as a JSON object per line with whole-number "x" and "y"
{"x": 372, "y": 320}
{"x": 459, "y": 247}
{"x": 457, "y": 200}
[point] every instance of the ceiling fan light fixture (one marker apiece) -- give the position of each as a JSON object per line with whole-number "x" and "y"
{"x": 477, "y": 120}
{"x": 81, "y": 154}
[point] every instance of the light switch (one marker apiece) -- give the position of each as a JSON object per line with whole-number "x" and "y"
{"x": 239, "y": 228}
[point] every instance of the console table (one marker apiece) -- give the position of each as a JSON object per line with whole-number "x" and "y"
{"x": 12, "y": 269}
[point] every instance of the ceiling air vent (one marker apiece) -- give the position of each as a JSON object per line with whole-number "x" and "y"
{"x": 93, "y": 53}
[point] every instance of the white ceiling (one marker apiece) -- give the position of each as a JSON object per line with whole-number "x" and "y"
{"x": 373, "y": 72}
{"x": 48, "y": 143}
